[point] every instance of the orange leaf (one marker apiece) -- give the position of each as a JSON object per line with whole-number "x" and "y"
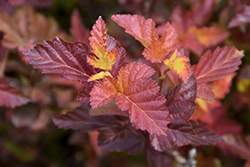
{"x": 209, "y": 36}
{"x": 144, "y": 31}
{"x": 99, "y": 75}
{"x": 180, "y": 65}
{"x": 103, "y": 58}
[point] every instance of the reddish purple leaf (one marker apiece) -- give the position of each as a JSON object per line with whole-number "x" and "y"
{"x": 58, "y": 56}
{"x": 79, "y": 119}
{"x": 135, "y": 143}
{"x": 204, "y": 137}
{"x": 11, "y": 96}
{"x": 215, "y": 65}
{"x": 242, "y": 17}
{"x": 77, "y": 29}
{"x": 108, "y": 109}
{"x": 160, "y": 159}
{"x": 238, "y": 144}
{"x": 180, "y": 102}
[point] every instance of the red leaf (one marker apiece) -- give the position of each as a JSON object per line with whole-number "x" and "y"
{"x": 58, "y": 56}
{"x": 79, "y": 119}
{"x": 239, "y": 145}
{"x": 132, "y": 85}
{"x": 103, "y": 92}
{"x": 11, "y": 96}
{"x": 141, "y": 29}
{"x": 144, "y": 31}
{"x": 78, "y": 30}
{"x": 131, "y": 73}
{"x": 215, "y": 65}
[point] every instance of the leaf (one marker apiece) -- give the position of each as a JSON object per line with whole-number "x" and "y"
{"x": 144, "y": 31}
{"x": 158, "y": 49}
{"x": 103, "y": 92}
{"x": 58, "y": 56}
{"x": 180, "y": 64}
{"x": 11, "y": 96}
{"x": 238, "y": 144}
{"x": 108, "y": 109}
{"x": 241, "y": 17}
{"x": 215, "y": 65}
{"x": 99, "y": 75}
{"x": 222, "y": 86}
{"x": 141, "y": 29}
{"x": 103, "y": 58}
{"x": 180, "y": 102}
{"x": 77, "y": 29}
{"x": 79, "y": 119}
{"x": 27, "y": 25}
{"x": 209, "y": 36}
{"x": 204, "y": 137}
{"x": 128, "y": 91}
{"x": 135, "y": 143}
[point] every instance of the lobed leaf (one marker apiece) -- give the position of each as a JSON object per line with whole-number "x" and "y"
{"x": 77, "y": 29}
{"x": 180, "y": 102}
{"x": 58, "y": 56}
{"x": 103, "y": 58}
{"x": 209, "y": 36}
{"x": 11, "y": 96}
{"x": 27, "y": 25}
{"x": 99, "y": 75}
{"x": 134, "y": 92}
{"x": 241, "y": 17}
{"x": 135, "y": 143}
{"x": 79, "y": 119}
{"x": 238, "y": 144}
{"x": 144, "y": 31}
{"x": 103, "y": 92}
{"x": 141, "y": 29}
{"x": 215, "y": 65}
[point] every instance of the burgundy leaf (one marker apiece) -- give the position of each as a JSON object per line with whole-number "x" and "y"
{"x": 58, "y": 56}
{"x": 204, "y": 137}
{"x": 180, "y": 102}
{"x": 113, "y": 134}
{"x": 108, "y": 109}
{"x": 79, "y": 119}
{"x": 135, "y": 143}
{"x": 11, "y": 96}
{"x": 77, "y": 29}
{"x": 238, "y": 144}
{"x": 242, "y": 17}
{"x": 160, "y": 159}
